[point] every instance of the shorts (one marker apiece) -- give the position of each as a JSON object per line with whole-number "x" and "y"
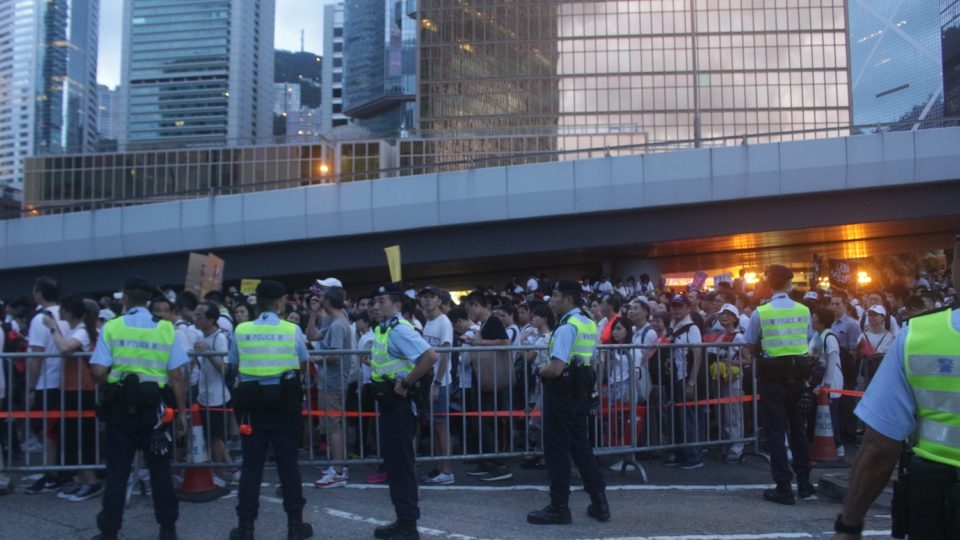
{"x": 441, "y": 406}
{"x": 214, "y": 420}
{"x": 333, "y": 406}
{"x": 80, "y": 434}
{"x": 46, "y": 401}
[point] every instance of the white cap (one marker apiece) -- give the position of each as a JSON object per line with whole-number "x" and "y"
{"x": 854, "y": 302}
{"x": 810, "y": 295}
{"x": 329, "y": 282}
{"x": 878, "y": 309}
{"x": 731, "y": 308}
{"x": 107, "y": 315}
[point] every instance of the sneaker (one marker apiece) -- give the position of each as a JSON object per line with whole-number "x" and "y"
{"x": 690, "y": 465}
{"x": 376, "y": 477}
{"x": 780, "y": 495}
{"x": 482, "y": 470}
{"x": 618, "y": 466}
{"x": 46, "y": 484}
{"x": 497, "y": 474}
{"x": 732, "y": 460}
{"x": 86, "y": 492}
{"x": 806, "y": 491}
{"x": 67, "y": 493}
{"x": 438, "y": 478}
{"x": 532, "y": 464}
{"x": 332, "y": 479}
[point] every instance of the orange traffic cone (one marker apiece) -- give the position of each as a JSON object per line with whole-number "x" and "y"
{"x": 824, "y": 448}
{"x": 198, "y": 483}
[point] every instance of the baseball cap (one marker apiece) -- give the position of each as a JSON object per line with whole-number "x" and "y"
{"x": 568, "y": 286}
{"x": 329, "y": 282}
{"x": 680, "y": 299}
{"x": 431, "y": 289}
{"x": 878, "y": 309}
{"x": 387, "y": 288}
{"x": 106, "y": 314}
{"x": 731, "y": 308}
{"x": 811, "y": 295}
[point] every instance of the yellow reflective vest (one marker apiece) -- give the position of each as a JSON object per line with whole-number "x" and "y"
{"x": 265, "y": 350}
{"x": 383, "y": 366}
{"x": 783, "y": 331}
{"x": 144, "y": 352}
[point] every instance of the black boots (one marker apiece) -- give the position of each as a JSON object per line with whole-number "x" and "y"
{"x": 296, "y": 528}
{"x": 552, "y": 515}
{"x": 168, "y": 532}
{"x": 599, "y": 509}
{"x": 783, "y": 494}
{"x": 243, "y": 532}
{"x": 806, "y": 490}
{"x": 398, "y": 530}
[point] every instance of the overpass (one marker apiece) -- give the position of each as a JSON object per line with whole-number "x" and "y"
{"x": 687, "y": 209}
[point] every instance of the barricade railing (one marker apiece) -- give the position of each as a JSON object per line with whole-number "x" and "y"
{"x": 646, "y": 399}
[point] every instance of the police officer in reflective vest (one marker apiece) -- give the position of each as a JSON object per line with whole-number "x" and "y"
{"x": 136, "y": 362}
{"x": 779, "y": 335}
{"x": 915, "y": 395}
{"x": 268, "y": 353}
{"x": 400, "y": 357}
{"x": 569, "y": 380}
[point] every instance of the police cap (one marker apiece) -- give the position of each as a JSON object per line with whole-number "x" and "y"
{"x": 567, "y": 286}
{"x": 388, "y": 288}
{"x": 270, "y": 290}
{"x": 137, "y": 283}
{"x": 780, "y": 273}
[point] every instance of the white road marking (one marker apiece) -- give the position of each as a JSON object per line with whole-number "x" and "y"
{"x": 530, "y": 487}
{"x": 423, "y": 530}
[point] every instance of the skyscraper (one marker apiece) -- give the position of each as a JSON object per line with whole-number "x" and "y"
{"x": 197, "y": 73}
{"x": 895, "y": 61}
{"x": 108, "y": 113}
{"x": 286, "y": 98}
{"x": 502, "y": 77}
{"x": 380, "y": 54}
{"x": 950, "y": 43}
{"x": 331, "y": 104}
{"x": 48, "y": 80}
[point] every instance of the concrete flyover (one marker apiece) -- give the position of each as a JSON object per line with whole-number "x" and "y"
{"x": 545, "y": 213}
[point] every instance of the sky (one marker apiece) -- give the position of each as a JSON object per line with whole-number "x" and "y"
{"x": 291, "y": 16}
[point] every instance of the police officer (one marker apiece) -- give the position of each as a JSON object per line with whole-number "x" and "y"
{"x": 135, "y": 358}
{"x": 916, "y": 391}
{"x": 779, "y": 335}
{"x": 399, "y": 359}
{"x": 568, "y": 383}
{"x": 268, "y": 353}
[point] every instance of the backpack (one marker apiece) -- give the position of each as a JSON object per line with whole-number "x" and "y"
{"x": 13, "y": 341}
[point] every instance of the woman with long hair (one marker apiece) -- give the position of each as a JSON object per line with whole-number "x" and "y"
{"x": 78, "y": 435}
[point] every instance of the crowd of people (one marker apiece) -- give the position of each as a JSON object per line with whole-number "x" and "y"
{"x": 852, "y": 331}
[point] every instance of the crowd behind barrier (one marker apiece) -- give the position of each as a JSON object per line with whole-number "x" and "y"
{"x": 674, "y": 375}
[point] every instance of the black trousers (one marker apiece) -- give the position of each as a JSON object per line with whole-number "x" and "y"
{"x": 282, "y": 430}
{"x": 934, "y": 500}
{"x": 565, "y": 436}
{"x": 398, "y": 426}
{"x": 780, "y": 415}
{"x": 126, "y": 433}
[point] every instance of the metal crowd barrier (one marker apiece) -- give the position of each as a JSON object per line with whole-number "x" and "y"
{"x": 641, "y": 404}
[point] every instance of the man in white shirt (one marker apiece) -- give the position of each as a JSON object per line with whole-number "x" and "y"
{"x": 43, "y": 374}
{"x": 438, "y": 332}
{"x": 687, "y": 424}
{"x": 207, "y": 374}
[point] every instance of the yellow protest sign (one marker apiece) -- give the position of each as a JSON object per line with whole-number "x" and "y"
{"x": 249, "y": 286}
{"x": 393, "y": 261}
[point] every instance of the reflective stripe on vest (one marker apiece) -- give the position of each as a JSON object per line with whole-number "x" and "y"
{"x": 783, "y": 331}
{"x": 932, "y": 366}
{"x": 382, "y": 365}
{"x": 265, "y": 350}
{"x": 584, "y": 341}
{"x": 144, "y": 352}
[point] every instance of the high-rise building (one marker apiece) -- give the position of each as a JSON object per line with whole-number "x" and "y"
{"x": 286, "y": 98}
{"x": 48, "y": 80}
{"x": 895, "y": 62}
{"x": 331, "y": 102}
{"x": 380, "y": 74}
{"x": 950, "y": 44}
{"x": 503, "y": 77}
{"x": 197, "y": 73}
{"x": 108, "y": 113}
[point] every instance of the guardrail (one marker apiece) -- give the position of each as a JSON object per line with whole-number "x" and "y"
{"x": 493, "y": 412}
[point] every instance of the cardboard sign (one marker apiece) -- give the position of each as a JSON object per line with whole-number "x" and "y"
{"x": 842, "y": 274}
{"x": 204, "y": 274}
{"x": 249, "y": 286}
{"x": 393, "y": 261}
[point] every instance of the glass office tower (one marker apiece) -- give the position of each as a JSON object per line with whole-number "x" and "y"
{"x": 570, "y": 75}
{"x": 895, "y": 62}
{"x": 197, "y": 72}
{"x": 950, "y": 43}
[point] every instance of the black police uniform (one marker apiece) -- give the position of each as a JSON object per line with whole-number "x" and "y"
{"x": 130, "y": 409}
{"x": 566, "y": 404}
{"x": 272, "y": 408}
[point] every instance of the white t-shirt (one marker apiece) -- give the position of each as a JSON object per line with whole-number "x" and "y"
{"x": 80, "y": 334}
{"x": 211, "y": 390}
{"x": 829, "y": 360}
{"x": 188, "y": 333}
{"x": 880, "y": 341}
{"x": 532, "y": 284}
{"x": 40, "y": 336}
{"x": 438, "y": 332}
{"x": 464, "y": 369}
{"x": 692, "y": 336}
{"x": 365, "y": 343}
